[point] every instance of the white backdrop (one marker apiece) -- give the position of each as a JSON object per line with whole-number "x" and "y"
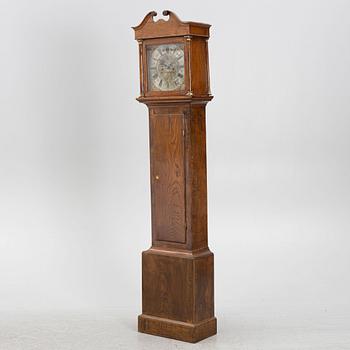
{"x": 74, "y": 157}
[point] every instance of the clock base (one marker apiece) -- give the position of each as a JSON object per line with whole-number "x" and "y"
{"x": 178, "y": 294}
{"x": 188, "y": 332}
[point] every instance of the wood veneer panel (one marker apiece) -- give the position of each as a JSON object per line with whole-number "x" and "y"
{"x": 168, "y": 177}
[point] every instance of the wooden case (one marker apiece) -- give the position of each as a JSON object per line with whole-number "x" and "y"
{"x": 178, "y": 269}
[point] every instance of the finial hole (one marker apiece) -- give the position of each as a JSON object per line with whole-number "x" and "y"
{"x": 165, "y": 16}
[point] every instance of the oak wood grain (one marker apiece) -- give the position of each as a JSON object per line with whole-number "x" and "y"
{"x": 167, "y": 177}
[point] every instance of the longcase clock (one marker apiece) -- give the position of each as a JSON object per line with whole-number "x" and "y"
{"x": 178, "y": 269}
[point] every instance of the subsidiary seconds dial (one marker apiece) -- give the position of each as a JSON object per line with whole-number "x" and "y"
{"x": 166, "y": 67}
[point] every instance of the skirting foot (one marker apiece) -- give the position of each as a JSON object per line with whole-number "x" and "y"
{"x": 188, "y": 332}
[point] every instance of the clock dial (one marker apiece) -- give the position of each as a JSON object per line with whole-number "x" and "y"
{"x": 166, "y": 67}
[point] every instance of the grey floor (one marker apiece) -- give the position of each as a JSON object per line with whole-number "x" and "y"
{"x": 243, "y": 330}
